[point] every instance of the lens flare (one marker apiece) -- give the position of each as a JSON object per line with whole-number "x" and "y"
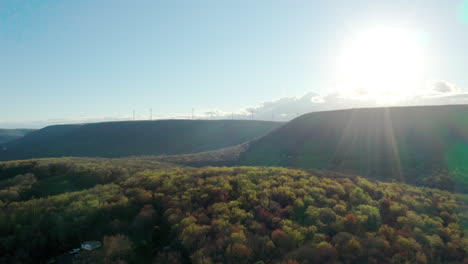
{"x": 384, "y": 64}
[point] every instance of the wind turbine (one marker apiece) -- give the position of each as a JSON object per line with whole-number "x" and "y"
{"x": 251, "y": 112}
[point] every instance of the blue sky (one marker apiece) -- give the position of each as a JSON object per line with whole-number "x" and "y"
{"x": 72, "y": 61}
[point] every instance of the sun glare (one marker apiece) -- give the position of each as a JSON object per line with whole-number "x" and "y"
{"x": 383, "y": 64}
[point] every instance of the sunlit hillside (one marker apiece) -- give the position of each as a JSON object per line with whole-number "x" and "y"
{"x": 150, "y": 212}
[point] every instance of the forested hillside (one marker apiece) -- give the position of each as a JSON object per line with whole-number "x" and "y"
{"x": 7, "y": 135}
{"x": 131, "y": 138}
{"x": 424, "y": 145}
{"x": 23, "y": 180}
{"x": 167, "y": 214}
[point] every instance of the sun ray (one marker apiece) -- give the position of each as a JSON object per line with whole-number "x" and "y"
{"x": 392, "y": 147}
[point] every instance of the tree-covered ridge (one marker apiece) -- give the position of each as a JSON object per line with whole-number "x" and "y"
{"x": 239, "y": 215}
{"x": 26, "y": 179}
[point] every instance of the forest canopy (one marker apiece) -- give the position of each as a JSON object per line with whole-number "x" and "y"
{"x": 236, "y": 215}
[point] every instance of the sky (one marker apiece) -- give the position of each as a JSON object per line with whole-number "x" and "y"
{"x": 88, "y": 61}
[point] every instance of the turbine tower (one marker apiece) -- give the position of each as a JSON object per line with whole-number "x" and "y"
{"x": 252, "y": 113}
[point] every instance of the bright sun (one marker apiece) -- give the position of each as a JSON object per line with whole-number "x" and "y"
{"x": 384, "y": 64}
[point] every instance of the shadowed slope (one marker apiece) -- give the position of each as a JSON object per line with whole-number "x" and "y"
{"x": 119, "y": 139}
{"x": 409, "y": 144}
{"x": 7, "y": 135}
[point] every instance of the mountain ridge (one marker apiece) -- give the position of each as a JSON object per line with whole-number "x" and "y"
{"x": 8, "y": 135}
{"x": 131, "y": 138}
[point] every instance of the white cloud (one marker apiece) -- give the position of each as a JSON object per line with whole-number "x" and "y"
{"x": 442, "y": 88}
{"x": 283, "y": 109}
{"x": 436, "y": 93}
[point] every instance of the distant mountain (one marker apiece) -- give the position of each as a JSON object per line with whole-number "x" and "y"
{"x": 129, "y": 138}
{"x": 426, "y": 145}
{"x": 7, "y": 135}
